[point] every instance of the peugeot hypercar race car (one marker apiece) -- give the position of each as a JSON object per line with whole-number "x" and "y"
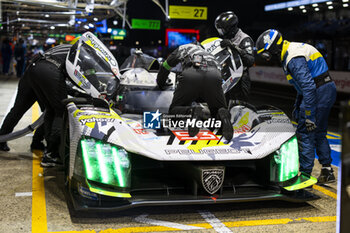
{"x": 136, "y": 155}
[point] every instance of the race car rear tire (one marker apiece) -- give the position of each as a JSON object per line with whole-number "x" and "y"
{"x": 64, "y": 148}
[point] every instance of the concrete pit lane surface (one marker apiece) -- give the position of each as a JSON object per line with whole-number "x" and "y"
{"x": 33, "y": 200}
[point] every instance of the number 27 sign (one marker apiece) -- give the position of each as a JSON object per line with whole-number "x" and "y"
{"x": 188, "y": 12}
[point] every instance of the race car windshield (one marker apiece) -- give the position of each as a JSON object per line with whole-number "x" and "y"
{"x": 140, "y": 61}
{"x": 94, "y": 67}
{"x": 139, "y": 101}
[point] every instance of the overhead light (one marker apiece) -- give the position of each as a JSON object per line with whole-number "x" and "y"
{"x": 317, "y": 9}
{"x": 345, "y": 5}
{"x": 86, "y": 26}
{"x": 315, "y": 5}
{"x": 137, "y": 42}
{"x": 302, "y": 7}
{"x": 95, "y": 19}
{"x": 329, "y": 3}
{"x": 47, "y": 16}
{"x": 304, "y": 11}
{"x": 79, "y": 22}
{"x": 159, "y": 41}
{"x": 330, "y": 7}
{"x": 109, "y": 30}
{"x": 345, "y": 0}
{"x": 91, "y": 25}
{"x": 115, "y": 22}
{"x": 52, "y": 27}
{"x": 290, "y": 8}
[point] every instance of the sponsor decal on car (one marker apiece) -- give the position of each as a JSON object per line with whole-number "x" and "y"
{"x": 85, "y": 192}
{"x": 213, "y": 46}
{"x": 97, "y": 45}
{"x": 94, "y": 119}
{"x": 81, "y": 78}
{"x": 202, "y": 135}
{"x": 201, "y": 151}
{"x": 243, "y": 129}
{"x": 278, "y": 121}
{"x": 212, "y": 179}
{"x": 141, "y": 131}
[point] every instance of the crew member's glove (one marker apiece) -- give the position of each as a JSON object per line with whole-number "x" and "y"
{"x": 310, "y": 125}
{"x": 226, "y": 43}
{"x": 168, "y": 83}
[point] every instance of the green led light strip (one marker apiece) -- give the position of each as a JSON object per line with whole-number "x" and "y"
{"x": 118, "y": 168}
{"x": 88, "y": 168}
{"x": 105, "y": 163}
{"x": 287, "y": 160}
{"x": 102, "y": 164}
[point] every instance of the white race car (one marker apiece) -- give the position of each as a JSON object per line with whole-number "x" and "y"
{"x": 134, "y": 156}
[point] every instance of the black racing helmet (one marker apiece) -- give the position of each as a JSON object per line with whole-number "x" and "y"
{"x": 269, "y": 44}
{"x": 227, "y": 24}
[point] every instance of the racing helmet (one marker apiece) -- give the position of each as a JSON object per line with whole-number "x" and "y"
{"x": 92, "y": 67}
{"x": 227, "y": 24}
{"x": 269, "y": 44}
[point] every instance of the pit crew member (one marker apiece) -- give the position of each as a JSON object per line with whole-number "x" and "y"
{"x": 306, "y": 69}
{"x": 233, "y": 37}
{"x": 200, "y": 79}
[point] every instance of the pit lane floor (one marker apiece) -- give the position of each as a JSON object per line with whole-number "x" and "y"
{"x": 32, "y": 200}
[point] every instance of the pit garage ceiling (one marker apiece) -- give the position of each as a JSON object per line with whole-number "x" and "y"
{"x": 31, "y": 15}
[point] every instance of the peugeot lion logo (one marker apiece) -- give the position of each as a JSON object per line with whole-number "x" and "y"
{"x": 212, "y": 179}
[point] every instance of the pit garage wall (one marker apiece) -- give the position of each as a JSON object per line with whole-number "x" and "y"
{"x": 344, "y": 172}
{"x": 275, "y": 75}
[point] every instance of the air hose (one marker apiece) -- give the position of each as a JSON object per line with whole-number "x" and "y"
{"x": 20, "y": 133}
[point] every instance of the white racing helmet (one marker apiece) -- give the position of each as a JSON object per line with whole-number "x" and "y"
{"x": 92, "y": 67}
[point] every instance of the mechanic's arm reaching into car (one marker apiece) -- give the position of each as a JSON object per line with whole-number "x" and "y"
{"x": 244, "y": 49}
{"x": 164, "y": 71}
{"x": 306, "y": 86}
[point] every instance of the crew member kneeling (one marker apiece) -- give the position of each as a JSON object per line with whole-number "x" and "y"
{"x": 200, "y": 79}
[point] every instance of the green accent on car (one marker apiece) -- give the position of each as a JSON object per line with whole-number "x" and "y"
{"x": 105, "y": 163}
{"x": 303, "y": 181}
{"x": 285, "y": 161}
{"x": 166, "y": 65}
{"x": 109, "y": 193}
{"x": 118, "y": 167}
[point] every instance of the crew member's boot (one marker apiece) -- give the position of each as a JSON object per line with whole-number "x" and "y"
{"x": 227, "y": 128}
{"x": 50, "y": 160}
{"x": 4, "y": 146}
{"x": 196, "y": 113}
{"x": 327, "y": 175}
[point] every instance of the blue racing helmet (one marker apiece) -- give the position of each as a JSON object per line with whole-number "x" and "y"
{"x": 269, "y": 44}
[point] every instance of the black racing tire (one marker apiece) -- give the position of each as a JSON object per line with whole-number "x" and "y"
{"x": 65, "y": 147}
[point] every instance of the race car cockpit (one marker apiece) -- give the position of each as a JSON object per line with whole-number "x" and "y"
{"x": 138, "y": 91}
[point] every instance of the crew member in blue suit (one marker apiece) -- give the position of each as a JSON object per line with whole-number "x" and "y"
{"x": 307, "y": 70}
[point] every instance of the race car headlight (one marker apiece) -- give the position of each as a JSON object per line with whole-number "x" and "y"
{"x": 105, "y": 163}
{"x": 285, "y": 161}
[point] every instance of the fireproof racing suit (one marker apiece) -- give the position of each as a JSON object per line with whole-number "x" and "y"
{"x": 243, "y": 44}
{"x": 199, "y": 80}
{"x": 307, "y": 70}
{"x": 47, "y": 75}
